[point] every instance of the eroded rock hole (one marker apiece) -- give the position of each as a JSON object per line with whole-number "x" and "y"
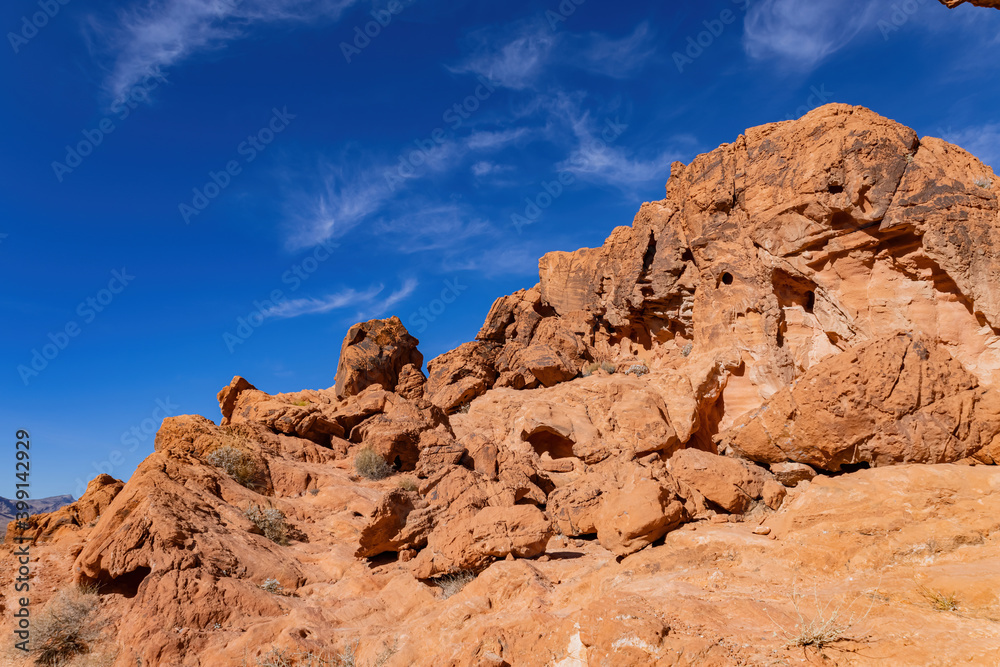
{"x": 126, "y": 585}
{"x": 727, "y": 278}
{"x": 555, "y": 445}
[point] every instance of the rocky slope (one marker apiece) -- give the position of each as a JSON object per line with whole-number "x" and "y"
{"x": 695, "y": 445}
{"x": 8, "y": 508}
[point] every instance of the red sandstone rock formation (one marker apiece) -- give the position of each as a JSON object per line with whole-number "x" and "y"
{"x": 951, "y": 4}
{"x": 820, "y": 295}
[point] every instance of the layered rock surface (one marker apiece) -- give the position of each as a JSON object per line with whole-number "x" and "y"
{"x": 819, "y": 296}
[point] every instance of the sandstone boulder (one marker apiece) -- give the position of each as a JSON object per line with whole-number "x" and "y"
{"x": 493, "y": 532}
{"x": 901, "y": 399}
{"x": 375, "y": 352}
{"x": 730, "y": 484}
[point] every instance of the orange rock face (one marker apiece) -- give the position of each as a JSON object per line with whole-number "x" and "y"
{"x": 951, "y": 4}
{"x": 631, "y": 463}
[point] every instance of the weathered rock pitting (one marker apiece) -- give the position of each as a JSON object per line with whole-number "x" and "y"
{"x": 819, "y": 296}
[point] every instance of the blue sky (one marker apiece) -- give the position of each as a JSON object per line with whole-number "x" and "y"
{"x": 195, "y": 189}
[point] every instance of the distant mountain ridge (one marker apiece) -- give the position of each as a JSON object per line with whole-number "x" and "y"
{"x": 8, "y": 508}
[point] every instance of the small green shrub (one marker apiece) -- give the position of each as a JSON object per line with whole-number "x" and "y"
{"x": 984, "y": 183}
{"x": 452, "y": 584}
{"x": 595, "y": 366}
{"x": 237, "y": 463}
{"x": 272, "y": 586}
{"x": 302, "y": 404}
{"x": 940, "y": 601}
{"x": 270, "y": 521}
{"x": 66, "y": 627}
{"x": 313, "y": 492}
{"x": 408, "y": 484}
{"x": 637, "y": 369}
{"x": 687, "y": 349}
{"x": 370, "y": 465}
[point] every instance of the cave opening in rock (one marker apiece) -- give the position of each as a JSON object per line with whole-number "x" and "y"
{"x": 555, "y": 445}
{"x": 727, "y": 278}
{"x": 126, "y": 585}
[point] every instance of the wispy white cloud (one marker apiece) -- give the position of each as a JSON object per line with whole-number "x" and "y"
{"x": 617, "y": 58}
{"x": 801, "y": 34}
{"x": 162, "y": 33}
{"x": 486, "y": 168}
{"x": 512, "y": 57}
{"x": 313, "y": 306}
{"x": 367, "y": 301}
{"x": 516, "y": 56}
{"x": 983, "y": 141}
{"x": 495, "y": 140}
{"x": 428, "y": 226}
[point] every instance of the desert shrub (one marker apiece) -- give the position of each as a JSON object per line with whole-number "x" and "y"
{"x": 637, "y": 369}
{"x": 408, "y": 484}
{"x": 67, "y": 626}
{"x": 237, "y": 463}
{"x": 464, "y": 408}
{"x": 983, "y": 183}
{"x": 302, "y": 404}
{"x": 270, "y": 521}
{"x": 272, "y": 586}
{"x": 830, "y": 623}
{"x": 370, "y": 465}
{"x": 452, "y": 584}
{"x": 313, "y": 492}
{"x": 595, "y": 366}
{"x": 940, "y": 601}
{"x": 687, "y": 349}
